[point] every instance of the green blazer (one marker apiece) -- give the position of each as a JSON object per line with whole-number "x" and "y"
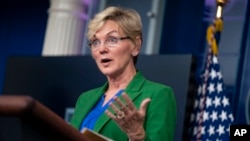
{"x": 160, "y": 118}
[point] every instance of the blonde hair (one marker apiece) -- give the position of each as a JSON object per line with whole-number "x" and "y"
{"x": 128, "y": 19}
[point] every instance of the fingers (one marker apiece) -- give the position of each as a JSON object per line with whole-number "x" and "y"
{"x": 119, "y": 109}
{"x": 122, "y": 106}
{"x": 129, "y": 102}
{"x": 110, "y": 114}
{"x": 145, "y": 103}
{"x": 117, "y": 115}
{"x": 143, "y": 106}
{"x": 115, "y": 108}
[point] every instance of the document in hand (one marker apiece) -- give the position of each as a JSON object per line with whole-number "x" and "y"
{"x": 94, "y": 136}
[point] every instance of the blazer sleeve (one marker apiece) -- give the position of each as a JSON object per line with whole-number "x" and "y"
{"x": 160, "y": 121}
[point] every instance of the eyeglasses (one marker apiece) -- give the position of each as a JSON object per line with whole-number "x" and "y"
{"x": 110, "y": 41}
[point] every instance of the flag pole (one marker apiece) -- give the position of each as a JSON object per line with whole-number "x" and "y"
{"x": 216, "y": 27}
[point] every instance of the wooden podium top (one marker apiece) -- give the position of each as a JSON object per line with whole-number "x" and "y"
{"x": 42, "y": 120}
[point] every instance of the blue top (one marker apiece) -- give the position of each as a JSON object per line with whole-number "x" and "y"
{"x": 96, "y": 112}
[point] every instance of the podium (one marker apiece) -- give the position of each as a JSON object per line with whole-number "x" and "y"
{"x": 38, "y": 123}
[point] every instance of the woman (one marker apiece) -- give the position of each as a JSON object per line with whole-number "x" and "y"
{"x": 127, "y": 106}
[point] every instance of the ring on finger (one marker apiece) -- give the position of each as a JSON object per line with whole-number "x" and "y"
{"x": 121, "y": 115}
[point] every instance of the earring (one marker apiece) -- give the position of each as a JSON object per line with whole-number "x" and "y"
{"x": 134, "y": 54}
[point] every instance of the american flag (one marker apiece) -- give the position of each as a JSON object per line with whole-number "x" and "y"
{"x": 212, "y": 114}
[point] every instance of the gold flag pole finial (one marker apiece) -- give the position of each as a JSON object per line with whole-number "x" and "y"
{"x": 220, "y": 5}
{"x": 216, "y": 27}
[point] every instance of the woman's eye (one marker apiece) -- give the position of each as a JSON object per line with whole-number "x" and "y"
{"x": 95, "y": 42}
{"x": 112, "y": 39}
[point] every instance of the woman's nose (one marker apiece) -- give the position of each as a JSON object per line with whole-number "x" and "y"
{"x": 103, "y": 48}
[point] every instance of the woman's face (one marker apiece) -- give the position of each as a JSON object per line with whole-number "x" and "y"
{"x": 113, "y": 56}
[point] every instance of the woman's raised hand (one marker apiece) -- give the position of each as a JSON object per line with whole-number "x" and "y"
{"x": 128, "y": 117}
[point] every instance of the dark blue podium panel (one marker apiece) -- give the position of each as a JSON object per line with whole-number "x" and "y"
{"x": 58, "y": 81}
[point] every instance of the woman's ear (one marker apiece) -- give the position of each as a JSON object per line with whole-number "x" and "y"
{"x": 138, "y": 41}
{"x": 137, "y": 48}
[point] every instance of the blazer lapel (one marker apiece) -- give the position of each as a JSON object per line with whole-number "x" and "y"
{"x": 133, "y": 91}
{"x": 92, "y": 99}
{"x": 101, "y": 122}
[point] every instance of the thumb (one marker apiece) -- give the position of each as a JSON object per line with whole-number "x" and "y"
{"x": 143, "y": 106}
